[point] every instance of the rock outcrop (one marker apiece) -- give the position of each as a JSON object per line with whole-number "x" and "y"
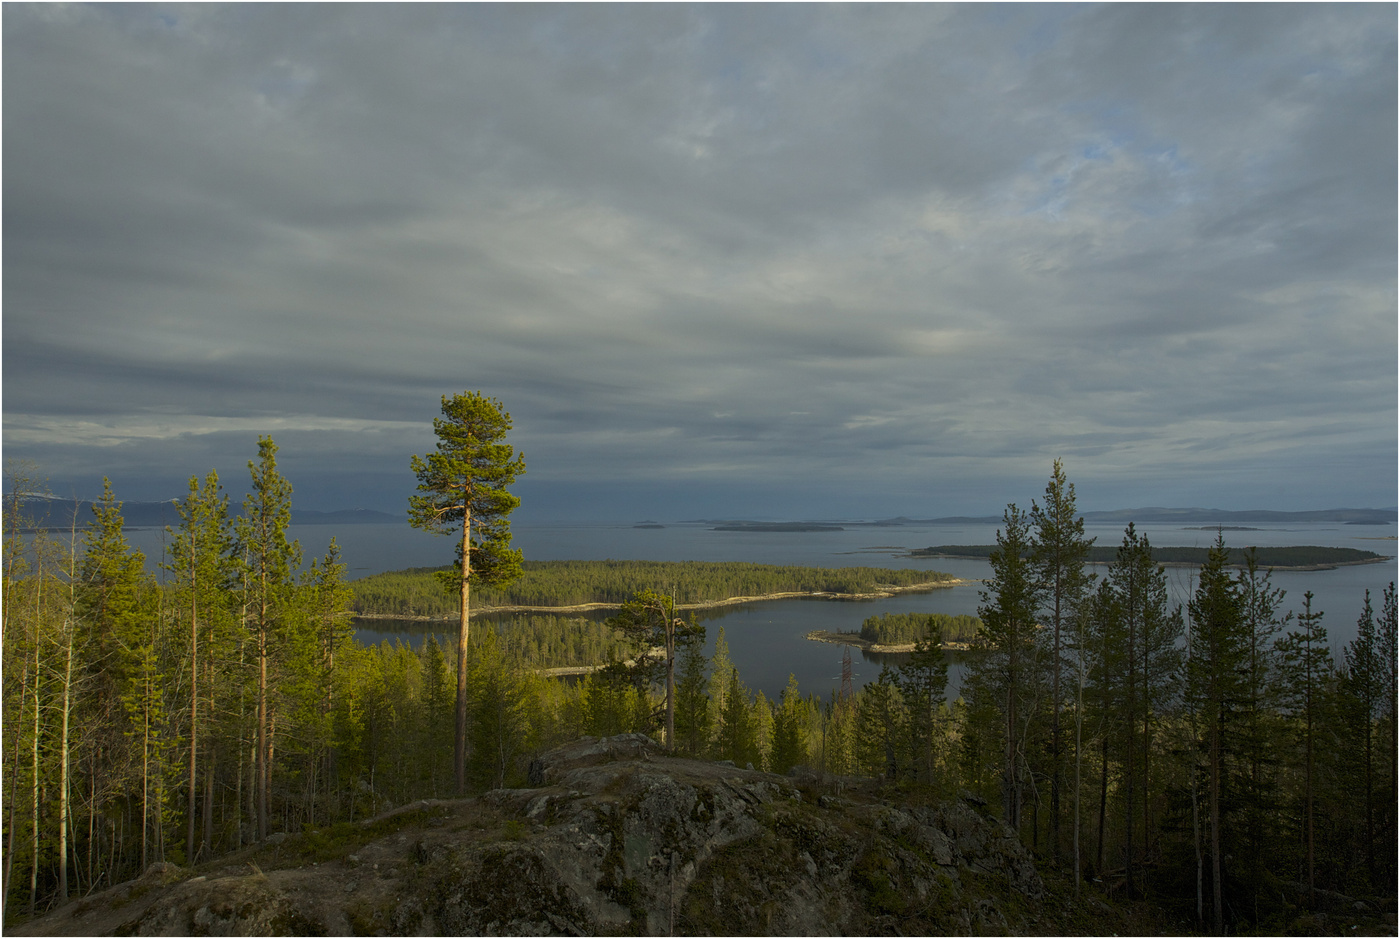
{"x": 614, "y": 837}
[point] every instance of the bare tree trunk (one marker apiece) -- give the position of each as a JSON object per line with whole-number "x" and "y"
{"x": 194, "y": 701}
{"x": 1103, "y": 803}
{"x": 64, "y": 767}
{"x": 14, "y": 786}
{"x": 1217, "y": 896}
{"x": 1196, "y": 839}
{"x": 1078, "y": 768}
{"x": 34, "y": 783}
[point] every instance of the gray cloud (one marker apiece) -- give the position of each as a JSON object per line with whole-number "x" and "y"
{"x": 902, "y": 256}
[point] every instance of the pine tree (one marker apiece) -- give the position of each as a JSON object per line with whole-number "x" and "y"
{"x": 1218, "y": 655}
{"x": 1260, "y": 602}
{"x": 1364, "y": 690}
{"x": 1060, "y": 554}
{"x": 261, "y": 539}
{"x": 1153, "y": 663}
{"x": 1008, "y": 613}
{"x": 464, "y": 486}
{"x": 201, "y": 568}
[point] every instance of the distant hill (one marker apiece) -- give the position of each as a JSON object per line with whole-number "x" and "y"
{"x": 59, "y": 514}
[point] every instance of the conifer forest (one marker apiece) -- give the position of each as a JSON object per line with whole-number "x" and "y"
{"x": 1211, "y": 756}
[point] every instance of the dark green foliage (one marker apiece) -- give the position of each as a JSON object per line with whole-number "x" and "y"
{"x": 498, "y": 727}
{"x": 898, "y": 628}
{"x": 417, "y": 592}
{"x": 790, "y": 721}
{"x": 463, "y": 486}
{"x": 694, "y": 712}
{"x": 1004, "y": 674}
{"x": 541, "y": 640}
{"x": 738, "y": 733}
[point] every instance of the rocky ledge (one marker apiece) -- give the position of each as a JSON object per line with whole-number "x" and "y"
{"x": 614, "y": 838}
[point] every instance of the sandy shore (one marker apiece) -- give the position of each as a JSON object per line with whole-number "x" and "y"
{"x": 853, "y": 639}
{"x": 707, "y": 605}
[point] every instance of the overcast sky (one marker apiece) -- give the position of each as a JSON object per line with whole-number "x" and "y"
{"x": 784, "y": 261}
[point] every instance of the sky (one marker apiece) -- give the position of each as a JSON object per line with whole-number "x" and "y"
{"x": 778, "y": 261}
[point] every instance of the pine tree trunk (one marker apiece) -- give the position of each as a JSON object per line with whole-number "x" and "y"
{"x": 459, "y": 747}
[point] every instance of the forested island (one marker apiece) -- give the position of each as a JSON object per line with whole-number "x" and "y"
{"x": 550, "y": 585}
{"x": 902, "y": 632}
{"x": 1296, "y": 557}
{"x": 1212, "y": 759}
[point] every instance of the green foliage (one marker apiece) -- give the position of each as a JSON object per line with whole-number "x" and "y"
{"x": 694, "y": 710}
{"x": 464, "y": 485}
{"x": 901, "y": 628}
{"x": 548, "y": 641}
{"x": 417, "y": 592}
{"x": 738, "y": 730}
{"x": 790, "y": 729}
{"x": 499, "y": 729}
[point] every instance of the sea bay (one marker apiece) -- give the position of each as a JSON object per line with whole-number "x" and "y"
{"x": 766, "y": 638}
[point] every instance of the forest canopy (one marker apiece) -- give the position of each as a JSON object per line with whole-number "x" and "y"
{"x": 417, "y": 591}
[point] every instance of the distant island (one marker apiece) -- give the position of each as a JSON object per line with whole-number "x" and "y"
{"x": 776, "y": 526}
{"x": 1295, "y": 557}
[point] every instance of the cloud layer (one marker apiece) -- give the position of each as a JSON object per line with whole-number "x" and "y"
{"x": 804, "y": 259}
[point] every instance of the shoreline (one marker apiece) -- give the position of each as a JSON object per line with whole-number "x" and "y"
{"x": 706, "y": 605}
{"x": 865, "y": 645}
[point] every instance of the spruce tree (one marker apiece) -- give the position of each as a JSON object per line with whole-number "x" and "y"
{"x": 790, "y": 723}
{"x": 463, "y": 487}
{"x": 694, "y": 717}
{"x": 923, "y": 679}
{"x": 1305, "y": 669}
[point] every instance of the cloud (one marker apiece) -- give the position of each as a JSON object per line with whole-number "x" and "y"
{"x": 928, "y": 248}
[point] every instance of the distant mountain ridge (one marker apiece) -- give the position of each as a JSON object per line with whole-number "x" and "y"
{"x": 59, "y": 513}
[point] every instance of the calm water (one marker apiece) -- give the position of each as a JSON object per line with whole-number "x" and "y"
{"x": 765, "y": 639}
